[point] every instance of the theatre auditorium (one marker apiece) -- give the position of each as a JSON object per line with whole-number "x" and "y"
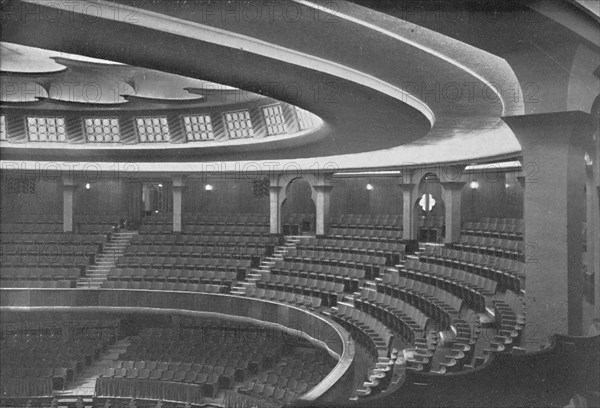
{"x": 299, "y": 203}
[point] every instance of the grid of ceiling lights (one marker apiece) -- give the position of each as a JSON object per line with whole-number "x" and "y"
{"x": 306, "y": 120}
{"x": 198, "y": 128}
{"x": 2, "y": 127}
{"x": 238, "y": 124}
{"x": 153, "y": 130}
{"x": 274, "y": 120}
{"x": 46, "y": 129}
{"x": 102, "y": 130}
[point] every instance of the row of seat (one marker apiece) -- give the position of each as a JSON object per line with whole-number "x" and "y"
{"x": 404, "y": 318}
{"x": 49, "y": 238}
{"x": 167, "y": 286}
{"x": 245, "y": 230}
{"x": 50, "y": 353}
{"x": 22, "y": 273}
{"x": 60, "y": 261}
{"x": 378, "y": 377}
{"x": 371, "y": 264}
{"x": 350, "y": 279}
{"x": 175, "y": 276}
{"x": 369, "y": 331}
{"x": 392, "y": 251}
{"x": 57, "y": 284}
{"x": 506, "y": 248}
{"x": 297, "y": 372}
{"x": 272, "y": 393}
{"x": 442, "y": 306}
{"x": 195, "y": 239}
{"x": 60, "y": 376}
{"x": 211, "y": 219}
{"x": 50, "y": 250}
{"x": 470, "y": 287}
{"x": 218, "y": 377}
{"x": 190, "y": 249}
{"x": 509, "y": 230}
{"x": 328, "y": 292}
{"x": 31, "y": 228}
{"x": 366, "y": 234}
{"x": 188, "y": 262}
{"x": 507, "y": 272}
{"x": 306, "y": 301}
{"x": 372, "y": 221}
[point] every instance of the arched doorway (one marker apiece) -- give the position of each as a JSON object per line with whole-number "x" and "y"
{"x": 430, "y": 210}
{"x": 298, "y": 210}
{"x": 156, "y": 199}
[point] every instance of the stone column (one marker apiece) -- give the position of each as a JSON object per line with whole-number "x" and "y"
{"x": 409, "y": 229}
{"x": 275, "y": 202}
{"x": 178, "y": 187}
{"x": 452, "y": 196}
{"x": 68, "y": 193}
{"x": 323, "y": 192}
{"x": 554, "y": 169}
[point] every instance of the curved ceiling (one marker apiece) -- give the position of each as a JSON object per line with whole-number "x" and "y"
{"x": 390, "y": 92}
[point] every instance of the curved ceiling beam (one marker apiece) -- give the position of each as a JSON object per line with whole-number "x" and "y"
{"x": 185, "y": 28}
{"x": 362, "y": 20}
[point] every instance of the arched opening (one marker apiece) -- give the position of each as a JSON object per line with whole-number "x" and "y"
{"x": 156, "y": 199}
{"x": 430, "y": 209}
{"x": 298, "y": 211}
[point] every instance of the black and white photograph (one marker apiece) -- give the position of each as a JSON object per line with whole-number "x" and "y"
{"x": 299, "y": 203}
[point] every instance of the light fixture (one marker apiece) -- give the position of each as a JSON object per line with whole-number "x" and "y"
{"x": 369, "y": 187}
{"x": 474, "y": 185}
{"x": 208, "y": 187}
{"x": 507, "y": 185}
{"x": 156, "y": 211}
{"x": 160, "y": 186}
{"x": 87, "y": 186}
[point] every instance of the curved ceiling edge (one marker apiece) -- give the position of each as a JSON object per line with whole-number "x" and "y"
{"x": 189, "y": 29}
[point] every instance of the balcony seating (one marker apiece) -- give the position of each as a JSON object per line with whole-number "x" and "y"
{"x": 440, "y": 305}
{"x": 370, "y": 332}
{"x": 57, "y": 352}
{"x": 506, "y": 248}
{"x": 50, "y": 238}
{"x": 392, "y": 251}
{"x": 31, "y": 227}
{"x": 167, "y": 286}
{"x": 506, "y": 272}
{"x": 465, "y": 285}
{"x": 405, "y": 319}
{"x": 41, "y": 274}
{"x": 371, "y": 264}
{"x": 369, "y": 221}
{"x": 328, "y": 292}
{"x": 509, "y": 228}
{"x": 245, "y": 224}
{"x": 366, "y": 234}
{"x": 54, "y": 284}
{"x": 306, "y": 301}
